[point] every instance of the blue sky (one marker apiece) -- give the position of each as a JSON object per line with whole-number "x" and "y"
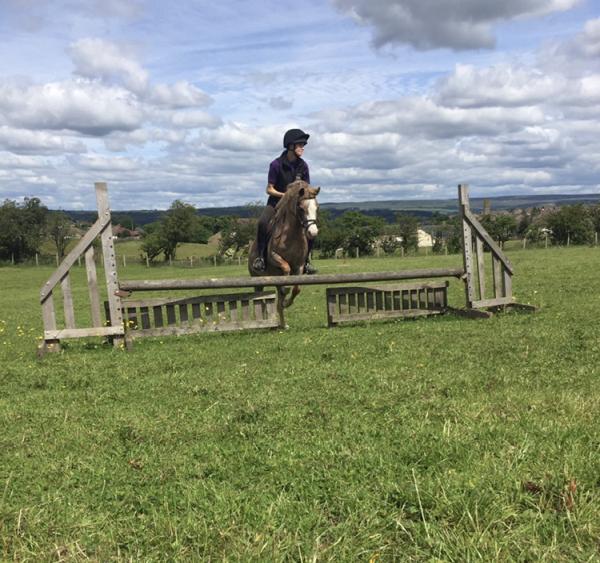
{"x": 403, "y": 98}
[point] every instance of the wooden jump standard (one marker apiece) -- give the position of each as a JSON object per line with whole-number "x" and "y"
{"x": 128, "y": 318}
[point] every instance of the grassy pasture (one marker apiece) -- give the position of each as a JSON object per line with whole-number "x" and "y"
{"x": 436, "y": 439}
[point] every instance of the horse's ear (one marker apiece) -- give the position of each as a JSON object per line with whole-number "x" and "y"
{"x": 317, "y": 190}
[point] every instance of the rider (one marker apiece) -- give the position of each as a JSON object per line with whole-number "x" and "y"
{"x": 284, "y": 170}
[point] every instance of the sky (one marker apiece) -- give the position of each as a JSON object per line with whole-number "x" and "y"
{"x": 403, "y": 99}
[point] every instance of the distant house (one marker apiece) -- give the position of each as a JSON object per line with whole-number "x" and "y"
{"x": 425, "y": 240}
{"x": 124, "y": 232}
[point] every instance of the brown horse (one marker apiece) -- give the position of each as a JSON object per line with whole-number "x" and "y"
{"x": 294, "y": 222}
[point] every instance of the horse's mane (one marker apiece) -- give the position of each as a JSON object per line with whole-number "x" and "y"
{"x": 288, "y": 204}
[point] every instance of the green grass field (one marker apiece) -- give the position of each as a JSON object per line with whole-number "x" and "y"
{"x": 441, "y": 439}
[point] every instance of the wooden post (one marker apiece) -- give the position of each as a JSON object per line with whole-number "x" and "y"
{"x": 110, "y": 262}
{"x": 596, "y": 238}
{"x": 402, "y": 251}
{"x": 37, "y": 258}
{"x": 79, "y": 261}
{"x": 170, "y": 260}
{"x": 524, "y": 242}
{"x": 191, "y": 261}
{"x": 57, "y": 260}
{"x": 215, "y": 260}
{"x": 546, "y": 240}
{"x": 357, "y": 253}
{"x": 147, "y": 261}
{"x": 568, "y": 239}
{"x": 124, "y": 261}
{"x": 463, "y": 202}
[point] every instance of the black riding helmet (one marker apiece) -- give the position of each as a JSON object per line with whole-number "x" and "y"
{"x": 294, "y": 136}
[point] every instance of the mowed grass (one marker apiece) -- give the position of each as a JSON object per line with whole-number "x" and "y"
{"x": 438, "y": 439}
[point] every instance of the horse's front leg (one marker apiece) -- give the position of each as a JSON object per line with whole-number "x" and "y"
{"x": 295, "y": 290}
{"x": 281, "y": 291}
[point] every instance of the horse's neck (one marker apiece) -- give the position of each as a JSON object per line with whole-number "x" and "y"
{"x": 288, "y": 227}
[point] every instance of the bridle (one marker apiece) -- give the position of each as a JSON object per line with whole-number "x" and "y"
{"x": 306, "y": 223}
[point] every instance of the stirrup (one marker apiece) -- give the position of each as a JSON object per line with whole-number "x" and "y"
{"x": 259, "y": 264}
{"x": 309, "y": 269}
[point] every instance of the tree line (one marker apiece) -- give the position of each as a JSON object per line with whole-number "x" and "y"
{"x": 25, "y": 226}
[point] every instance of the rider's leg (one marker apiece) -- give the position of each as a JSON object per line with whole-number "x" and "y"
{"x": 262, "y": 237}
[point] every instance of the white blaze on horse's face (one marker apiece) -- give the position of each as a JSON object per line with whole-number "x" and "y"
{"x": 310, "y": 207}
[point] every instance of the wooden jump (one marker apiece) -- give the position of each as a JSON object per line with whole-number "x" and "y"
{"x": 128, "y": 318}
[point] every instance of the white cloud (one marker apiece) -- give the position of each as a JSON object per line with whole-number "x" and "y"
{"x": 194, "y": 119}
{"x": 24, "y": 141}
{"x": 182, "y": 94}
{"x": 455, "y": 24}
{"x": 82, "y": 106}
{"x": 97, "y": 58}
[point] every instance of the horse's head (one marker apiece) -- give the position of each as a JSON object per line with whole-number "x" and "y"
{"x": 307, "y": 203}
{"x": 300, "y": 200}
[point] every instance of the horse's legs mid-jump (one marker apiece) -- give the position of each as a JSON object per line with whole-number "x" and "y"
{"x": 283, "y": 299}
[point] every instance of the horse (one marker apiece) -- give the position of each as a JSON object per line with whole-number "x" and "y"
{"x": 294, "y": 223}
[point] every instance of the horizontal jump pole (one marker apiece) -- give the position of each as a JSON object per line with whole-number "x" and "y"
{"x": 263, "y": 281}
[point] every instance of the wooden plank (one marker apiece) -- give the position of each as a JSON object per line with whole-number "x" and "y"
{"x": 317, "y": 279}
{"x": 233, "y": 310}
{"x": 480, "y": 266}
{"x": 343, "y": 303}
{"x": 71, "y": 258}
{"x": 271, "y": 311}
{"x": 497, "y": 277}
{"x": 492, "y": 302}
{"x": 507, "y": 282}
{"x": 48, "y": 314}
{"x": 92, "y": 281}
{"x": 151, "y": 302}
{"x": 468, "y": 261}
{"x": 65, "y": 285}
{"x": 205, "y": 327}
{"x": 245, "y": 309}
{"x": 83, "y": 332}
{"x": 331, "y": 305}
{"x": 383, "y": 315}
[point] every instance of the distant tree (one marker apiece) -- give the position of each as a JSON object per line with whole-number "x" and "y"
{"x": 236, "y": 236}
{"x": 571, "y": 223}
{"x": 408, "y": 226}
{"x": 177, "y": 226}
{"x": 594, "y": 212}
{"x": 152, "y": 246}
{"x": 500, "y": 227}
{"x": 22, "y": 228}
{"x": 359, "y": 231}
{"x": 59, "y": 228}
